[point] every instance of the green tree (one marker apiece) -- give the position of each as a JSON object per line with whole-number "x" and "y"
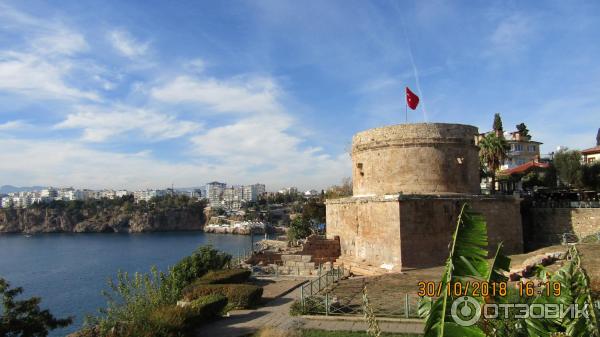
{"x": 299, "y": 228}
{"x": 522, "y": 129}
{"x": 340, "y": 191}
{"x": 492, "y": 153}
{"x": 568, "y": 167}
{"x": 314, "y": 210}
{"x": 590, "y": 176}
{"x": 24, "y": 317}
{"x": 497, "y": 127}
{"x": 131, "y": 298}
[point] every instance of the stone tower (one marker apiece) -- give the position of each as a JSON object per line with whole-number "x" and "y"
{"x": 409, "y": 182}
{"x": 416, "y": 158}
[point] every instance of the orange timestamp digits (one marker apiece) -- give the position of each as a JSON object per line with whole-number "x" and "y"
{"x": 471, "y": 288}
{"x": 530, "y": 288}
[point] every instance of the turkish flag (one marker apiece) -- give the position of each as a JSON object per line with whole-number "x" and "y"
{"x": 411, "y": 99}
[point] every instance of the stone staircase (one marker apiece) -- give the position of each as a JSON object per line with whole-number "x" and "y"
{"x": 293, "y": 264}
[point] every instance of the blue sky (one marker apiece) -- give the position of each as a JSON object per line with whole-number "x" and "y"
{"x": 145, "y": 94}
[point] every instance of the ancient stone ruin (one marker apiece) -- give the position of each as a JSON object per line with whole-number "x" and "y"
{"x": 409, "y": 182}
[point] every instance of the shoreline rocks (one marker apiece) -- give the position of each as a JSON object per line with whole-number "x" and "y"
{"x": 110, "y": 220}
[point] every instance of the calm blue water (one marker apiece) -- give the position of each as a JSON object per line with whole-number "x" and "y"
{"x": 68, "y": 271}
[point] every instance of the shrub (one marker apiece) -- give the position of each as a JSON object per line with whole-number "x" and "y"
{"x": 171, "y": 319}
{"x": 209, "y": 307}
{"x": 239, "y": 296}
{"x": 199, "y": 263}
{"x": 225, "y": 276}
{"x": 132, "y": 298}
{"x": 312, "y": 306}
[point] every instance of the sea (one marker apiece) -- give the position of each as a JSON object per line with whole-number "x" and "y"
{"x": 69, "y": 271}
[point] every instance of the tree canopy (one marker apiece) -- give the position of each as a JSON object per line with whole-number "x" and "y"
{"x": 24, "y": 317}
{"x": 497, "y": 123}
{"x": 492, "y": 153}
{"x": 568, "y": 167}
{"x": 522, "y": 129}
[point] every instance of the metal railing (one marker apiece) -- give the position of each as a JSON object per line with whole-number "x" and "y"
{"x": 318, "y": 297}
{"x": 329, "y": 304}
{"x": 323, "y": 281}
{"x": 240, "y": 257}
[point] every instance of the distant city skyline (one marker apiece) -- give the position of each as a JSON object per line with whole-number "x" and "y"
{"x": 137, "y": 95}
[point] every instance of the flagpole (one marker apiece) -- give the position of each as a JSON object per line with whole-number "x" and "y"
{"x": 406, "y": 112}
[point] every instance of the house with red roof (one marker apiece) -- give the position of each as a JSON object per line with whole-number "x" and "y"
{"x": 592, "y": 155}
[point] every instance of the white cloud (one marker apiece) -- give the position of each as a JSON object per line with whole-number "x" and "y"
{"x": 60, "y": 41}
{"x": 68, "y": 163}
{"x": 511, "y": 35}
{"x": 260, "y": 144}
{"x": 39, "y": 68}
{"x": 195, "y": 65}
{"x": 126, "y": 44}
{"x": 13, "y": 125}
{"x": 241, "y": 95}
{"x": 101, "y": 123}
{"x": 33, "y": 75}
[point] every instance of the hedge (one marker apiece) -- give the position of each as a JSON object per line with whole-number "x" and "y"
{"x": 239, "y": 296}
{"x": 208, "y": 307}
{"x": 174, "y": 320}
{"x": 225, "y": 276}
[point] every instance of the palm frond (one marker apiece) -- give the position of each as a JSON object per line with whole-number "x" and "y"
{"x": 466, "y": 260}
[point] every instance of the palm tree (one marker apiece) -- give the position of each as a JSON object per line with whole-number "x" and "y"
{"x": 492, "y": 152}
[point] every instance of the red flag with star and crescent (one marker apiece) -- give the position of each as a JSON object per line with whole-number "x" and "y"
{"x": 412, "y": 100}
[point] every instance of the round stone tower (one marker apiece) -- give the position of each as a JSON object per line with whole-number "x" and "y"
{"x": 422, "y": 158}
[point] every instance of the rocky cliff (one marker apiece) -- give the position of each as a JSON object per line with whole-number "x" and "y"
{"x": 112, "y": 219}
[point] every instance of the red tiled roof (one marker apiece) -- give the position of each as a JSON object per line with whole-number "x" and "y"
{"x": 595, "y": 149}
{"x": 525, "y": 167}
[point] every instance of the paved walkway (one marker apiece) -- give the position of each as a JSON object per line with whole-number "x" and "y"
{"x": 275, "y": 313}
{"x": 244, "y": 322}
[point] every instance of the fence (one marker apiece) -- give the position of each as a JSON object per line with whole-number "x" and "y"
{"x": 324, "y": 281}
{"x": 240, "y": 257}
{"x": 319, "y": 297}
{"x": 564, "y": 204}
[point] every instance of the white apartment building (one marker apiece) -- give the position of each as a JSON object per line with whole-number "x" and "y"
{"x": 214, "y": 193}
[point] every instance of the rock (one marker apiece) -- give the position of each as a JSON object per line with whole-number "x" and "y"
{"x": 108, "y": 220}
{"x": 183, "y": 303}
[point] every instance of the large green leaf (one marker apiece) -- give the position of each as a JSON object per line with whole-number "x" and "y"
{"x": 500, "y": 264}
{"x": 575, "y": 289}
{"x": 467, "y": 260}
{"x": 469, "y": 247}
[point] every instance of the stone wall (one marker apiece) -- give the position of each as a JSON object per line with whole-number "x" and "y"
{"x": 427, "y": 225}
{"x": 416, "y": 158}
{"x": 321, "y": 250}
{"x": 546, "y": 226}
{"x": 414, "y": 231}
{"x": 369, "y": 231}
